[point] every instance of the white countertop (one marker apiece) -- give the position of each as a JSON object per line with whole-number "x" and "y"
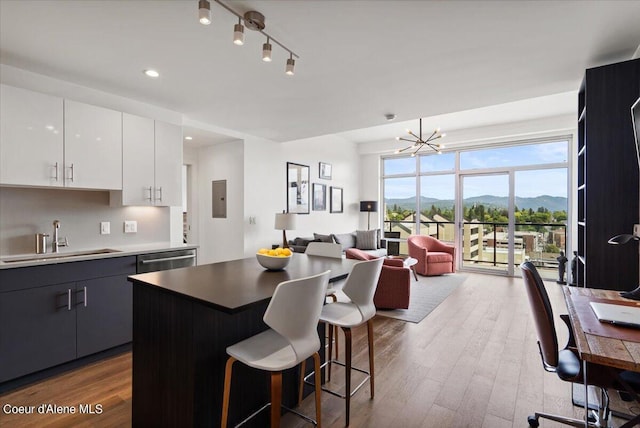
{"x": 66, "y": 255}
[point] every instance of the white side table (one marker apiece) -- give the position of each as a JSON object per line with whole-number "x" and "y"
{"x": 408, "y": 262}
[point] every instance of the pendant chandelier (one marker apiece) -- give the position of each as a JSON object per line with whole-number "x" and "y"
{"x": 419, "y": 142}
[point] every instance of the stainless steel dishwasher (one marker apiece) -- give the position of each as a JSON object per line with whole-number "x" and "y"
{"x": 166, "y": 260}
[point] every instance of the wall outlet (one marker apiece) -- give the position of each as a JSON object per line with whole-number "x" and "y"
{"x": 130, "y": 226}
{"x": 636, "y": 229}
{"x": 105, "y": 228}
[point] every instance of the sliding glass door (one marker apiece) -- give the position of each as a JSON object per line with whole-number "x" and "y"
{"x": 485, "y": 240}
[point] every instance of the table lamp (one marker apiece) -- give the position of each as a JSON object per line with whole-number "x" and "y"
{"x": 284, "y": 222}
{"x": 368, "y": 207}
{"x": 621, "y": 240}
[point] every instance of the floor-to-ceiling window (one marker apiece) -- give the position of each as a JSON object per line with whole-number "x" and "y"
{"x": 500, "y": 205}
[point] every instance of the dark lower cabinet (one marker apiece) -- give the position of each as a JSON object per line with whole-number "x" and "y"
{"x": 37, "y": 329}
{"x": 54, "y": 314}
{"x": 104, "y": 314}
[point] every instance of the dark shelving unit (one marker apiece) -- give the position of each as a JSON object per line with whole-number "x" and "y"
{"x": 607, "y": 188}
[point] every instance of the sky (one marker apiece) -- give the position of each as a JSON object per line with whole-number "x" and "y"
{"x": 531, "y": 183}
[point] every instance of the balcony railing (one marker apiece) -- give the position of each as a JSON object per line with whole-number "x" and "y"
{"x": 485, "y": 244}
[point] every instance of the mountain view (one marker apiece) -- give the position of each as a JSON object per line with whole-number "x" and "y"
{"x": 552, "y": 203}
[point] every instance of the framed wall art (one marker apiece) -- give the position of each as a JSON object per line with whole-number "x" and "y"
{"x": 336, "y": 199}
{"x": 319, "y": 197}
{"x": 297, "y": 188}
{"x": 324, "y": 170}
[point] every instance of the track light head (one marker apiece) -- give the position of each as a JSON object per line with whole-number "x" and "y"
{"x": 204, "y": 12}
{"x": 291, "y": 63}
{"x": 238, "y": 34}
{"x": 266, "y": 51}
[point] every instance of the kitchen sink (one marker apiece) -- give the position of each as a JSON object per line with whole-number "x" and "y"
{"x": 55, "y": 256}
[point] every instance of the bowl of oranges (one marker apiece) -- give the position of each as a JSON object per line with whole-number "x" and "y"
{"x": 276, "y": 259}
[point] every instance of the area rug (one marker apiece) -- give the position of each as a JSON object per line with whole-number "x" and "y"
{"x": 426, "y": 294}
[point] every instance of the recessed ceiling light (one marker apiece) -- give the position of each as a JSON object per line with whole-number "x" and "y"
{"x": 188, "y": 138}
{"x": 151, "y": 73}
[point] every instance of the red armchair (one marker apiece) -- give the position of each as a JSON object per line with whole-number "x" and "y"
{"x": 394, "y": 285}
{"x": 434, "y": 257}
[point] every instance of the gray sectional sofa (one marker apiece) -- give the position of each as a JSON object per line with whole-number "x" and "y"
{"x": 366, "y": 240}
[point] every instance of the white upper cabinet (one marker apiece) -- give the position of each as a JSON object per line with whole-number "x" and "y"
{"x": 138, "y": 169}
{"x": 152, "y": 162}
{"x": 93, "y": 146}
{"x": 31, "y": 138}
{"x": 168, "y": 160}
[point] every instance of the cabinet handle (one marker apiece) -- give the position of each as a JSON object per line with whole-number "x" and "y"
{"x": 150, "y": 198}
{"x": 56, "y": 167}
{"x": 71, "y": 176}
{"x": 69, "y": 299}
{"x": 159, "y": 190}
{"x": 85, "y": 297}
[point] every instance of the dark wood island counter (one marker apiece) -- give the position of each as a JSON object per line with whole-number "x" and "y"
{"x": 183, "y": 321}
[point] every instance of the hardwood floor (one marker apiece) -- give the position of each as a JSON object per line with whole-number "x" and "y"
{"x": 472, "y": 362}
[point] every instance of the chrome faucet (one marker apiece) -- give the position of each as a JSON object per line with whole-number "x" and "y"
{"x": 56, "y": 242}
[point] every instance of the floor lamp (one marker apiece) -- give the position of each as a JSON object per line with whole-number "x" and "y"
{"x": 368, "y": 207}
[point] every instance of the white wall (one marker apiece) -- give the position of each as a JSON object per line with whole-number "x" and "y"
{"x": 264, "y": 186}
{"x": 256, "y": 188}
{"x": 344, "y": 159}
{"x": 221, "y": 239}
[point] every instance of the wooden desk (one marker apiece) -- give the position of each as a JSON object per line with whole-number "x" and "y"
{"x": 183, "y": 321}
{"x": 608, "y": 351}
{"x": 622, "y": 354}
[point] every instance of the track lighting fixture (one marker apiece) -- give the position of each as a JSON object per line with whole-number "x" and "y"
{"x": 252, "y": 20}
{"x": 238, "y": 33}
{"x": 204, "y": 12}
{"x": 266, "y": 51}
{"x": 419, "y": 142}
{"x": 290, "y": 64}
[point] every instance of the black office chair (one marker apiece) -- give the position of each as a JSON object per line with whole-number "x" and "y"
{"x": 564, "y": 362}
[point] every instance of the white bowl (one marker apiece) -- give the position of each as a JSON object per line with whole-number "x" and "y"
{"x": 273, "y": 262}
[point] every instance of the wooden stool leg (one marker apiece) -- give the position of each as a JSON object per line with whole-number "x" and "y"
{"x": 347, "y": 358}
{"x": 371, "y": 365}
{"x": 226, "y": 392}
{"x": 276, "y": 398}
{"x": 316, "y": 367}
{"x": 303, "y": 369}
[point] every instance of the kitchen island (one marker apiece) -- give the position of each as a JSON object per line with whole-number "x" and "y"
{"x": 183, "y": 321}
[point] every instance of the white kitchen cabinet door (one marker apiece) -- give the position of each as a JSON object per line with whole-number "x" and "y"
{"x": 138, "y": 165}
{"x": 31, "y": 138}
{"x": 93, "y": 147}
{"x": 168, "y": 160}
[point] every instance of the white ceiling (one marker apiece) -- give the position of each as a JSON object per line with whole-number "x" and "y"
{"x": 359, "y": 59}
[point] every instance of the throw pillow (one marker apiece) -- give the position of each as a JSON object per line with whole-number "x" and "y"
{"x": 366, "y": 239}
{"x": 346, "y": 240}
{"x": 323, "y": 238}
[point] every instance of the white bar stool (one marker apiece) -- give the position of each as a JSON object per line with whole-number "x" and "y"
{"x": 292, "y": 316}
{"x": 360, "y": 287}
{"x": 334, "y": 251}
